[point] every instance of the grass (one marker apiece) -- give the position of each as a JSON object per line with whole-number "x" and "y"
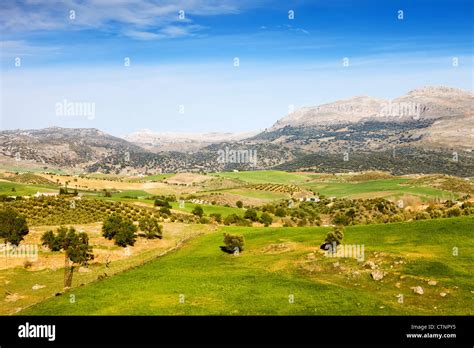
{"x": 252, "y": 193}
{"x": 266, "y": 176}
{"x": 24, "y": 189}
{"x": 209, "y": 209}
{"x": 377, "y": 188}
{"x": 261, "y": 279}
{"x": 18, "y": 280}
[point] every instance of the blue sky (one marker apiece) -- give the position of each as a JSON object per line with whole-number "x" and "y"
{"x": 187, "y": 63}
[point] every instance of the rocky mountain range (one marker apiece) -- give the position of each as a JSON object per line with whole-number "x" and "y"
{"x": 430, "y": 129}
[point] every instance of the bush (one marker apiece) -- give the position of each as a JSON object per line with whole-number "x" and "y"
{"x": 162, "y": 203}
{"x": 422, "y": 215}
{"x": 165, "y": 211}
{"x": 233, "y": 243}
{"x": 266, "y": 219}
{"x": 454, "y": 211}
{"x": 251, "y": 214}
{"x": 120, "y": 229}
{"x": 239, "y": 204}
{"x": 13, "y": 227}
{"x": 151, "y": 228}
{"x": 341, "y": 219}
{"x": 198, "y": 211}
{"x": 203, "y": 220}
{"x": 217, "y": 217}
{"x": 335, "y": 236}
{"x": 280, "y": 212}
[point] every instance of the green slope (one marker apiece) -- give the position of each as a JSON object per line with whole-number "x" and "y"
{"x": 275, "y": 265}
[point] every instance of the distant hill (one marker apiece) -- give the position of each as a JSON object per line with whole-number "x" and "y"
{"x": 428, "y": 130}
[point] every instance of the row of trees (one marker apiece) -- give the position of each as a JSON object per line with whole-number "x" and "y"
{"x": 124, "y": 232}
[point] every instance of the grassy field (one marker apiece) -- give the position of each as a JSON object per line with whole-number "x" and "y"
{"x": 209, "y": 209}
{"x": 267, "y": 176}
{"x": 24, "y": 189}
{"x": 275, "y": 265}
{"x": 47, "y": 269}
{"x": 378, "y": 188}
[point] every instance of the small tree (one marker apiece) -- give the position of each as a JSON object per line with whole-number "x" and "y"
{"x": 217, "y": 217}
{"x": 13, "y": 227}
{"x": 251, "y": 214}
{"x": 121, "y": 230}
{"x": 76, "y": 248}
{"x": 266, "y": 219}
{"x": 280, "y": 212}
{"x": 233, "y": 243}
{"x": 151, "y": 227}
{"x": 239, "y": 204}
{"x": 198, "y": 211}
{"x": 335, "y": 236}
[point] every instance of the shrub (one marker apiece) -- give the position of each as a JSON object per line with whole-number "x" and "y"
{"x": 266, "y": 219}
{"x": 280, "y": 212}
{"x": 251, "y": 214}
{"x": 203, "y": 220}
{"x": 13, "y": 227}
{"x": 335, "y": 236}
{"x": 422, "y": 215}
{"x": 454, "y": 211}
{"x": 165, "y": 211}
{"x": 239, "y": 204}
{"x": 217, "y": 217}
{"x": 119, "y": 229}
{"x": 233, "y": 243}
{"x": 151, "y": 228}
{"x": 198, "y": 211}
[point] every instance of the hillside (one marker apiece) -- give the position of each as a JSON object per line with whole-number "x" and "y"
{"x": 67, "y": 147}
{"x": 279, "y": 262}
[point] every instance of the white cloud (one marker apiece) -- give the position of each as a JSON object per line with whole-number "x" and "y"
{"x": 21, "y": 48}
{"x": 141, "y": 19}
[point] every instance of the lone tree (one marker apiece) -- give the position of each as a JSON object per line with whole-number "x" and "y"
{"x": 251, "y": 214}
{"x": 233, "y": 243}
{"x": 121, "y": 230}
{"x": 76, "y": 248}
{"x": 198, "y": 211}
{"x": 266, "y": 219}
{"x": 13, "y": 227}
{"x": 333, "y": 237}
{"x": 239, "y": 204}
{"x": 151, "y": 228}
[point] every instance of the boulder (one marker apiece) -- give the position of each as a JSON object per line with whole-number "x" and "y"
{"x": 418, "y": 290}
{"x": 370, "y": 264}
{"x": 377, "y": 274}
{"x": 37, "y": 286}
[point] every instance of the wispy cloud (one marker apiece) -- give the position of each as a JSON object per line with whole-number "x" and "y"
{"x": 138, "y": 19}
{"x": 15, "y": 48}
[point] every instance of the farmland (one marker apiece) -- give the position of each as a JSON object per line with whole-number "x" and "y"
{"x": 409, "y": 226}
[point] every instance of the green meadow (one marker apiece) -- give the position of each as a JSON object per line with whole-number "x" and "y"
{"x": 16, "y": 189}
{"x": 281, "y": 272}
{"x": 267, "y": 177}
{"x": 378, "y": 188}
{"x": 209, "y": 209}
